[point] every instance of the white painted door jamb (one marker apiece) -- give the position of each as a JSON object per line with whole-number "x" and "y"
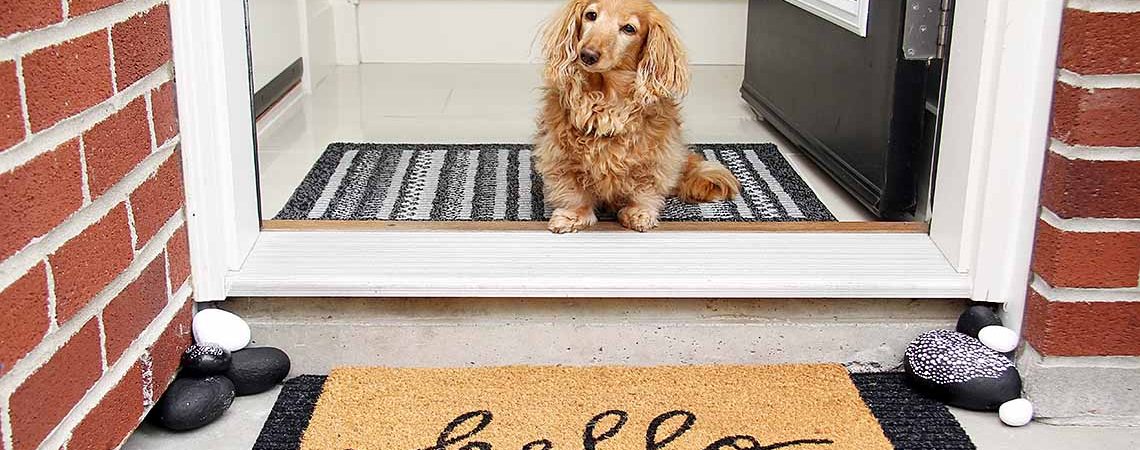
{"x": 215, "y": 121}
{"x": 1003, "y": 65}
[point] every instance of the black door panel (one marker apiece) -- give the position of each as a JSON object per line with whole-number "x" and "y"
{"x": 852, "y": 103}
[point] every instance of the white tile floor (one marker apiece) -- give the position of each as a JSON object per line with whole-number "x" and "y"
{"x": 479, "y": 103}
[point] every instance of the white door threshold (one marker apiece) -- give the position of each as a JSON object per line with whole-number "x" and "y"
{"x": 596, "y": 264}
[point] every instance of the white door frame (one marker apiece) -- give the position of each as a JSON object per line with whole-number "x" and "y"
{"x": 993, "y": 139}
{"x": 215, "y": 120}
{"x": 994, "y": 135}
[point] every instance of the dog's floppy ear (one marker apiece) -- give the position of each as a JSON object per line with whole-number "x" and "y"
{"x": 664, "y": 70}
{"x": 559, "y": 41}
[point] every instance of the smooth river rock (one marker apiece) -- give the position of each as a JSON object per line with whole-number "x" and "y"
{"x": 193, "y": 402}
{"x": 258, "y": 369}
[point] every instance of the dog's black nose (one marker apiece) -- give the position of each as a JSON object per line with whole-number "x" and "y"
{"x": 589, "y": 57}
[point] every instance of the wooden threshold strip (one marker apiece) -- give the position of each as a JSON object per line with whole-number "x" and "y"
{"x": 769, "y": 227}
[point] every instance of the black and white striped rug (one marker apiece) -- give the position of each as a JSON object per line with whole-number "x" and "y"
{"x": 484, "y": 182}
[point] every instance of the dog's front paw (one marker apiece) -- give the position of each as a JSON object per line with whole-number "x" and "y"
{"x": 567, "y": 221}
{"x": 637, "y": 218}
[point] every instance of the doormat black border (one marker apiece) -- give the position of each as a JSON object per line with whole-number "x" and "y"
{"x": 909, "y": 420}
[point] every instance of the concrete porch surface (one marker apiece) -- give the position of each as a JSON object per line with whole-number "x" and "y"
{"x": 239, "y": 427}
{"x": 862, "y": 334}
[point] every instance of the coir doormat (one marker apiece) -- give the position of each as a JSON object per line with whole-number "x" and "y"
{"x": 607, "y": 408}
{"x": 495, "y": 182}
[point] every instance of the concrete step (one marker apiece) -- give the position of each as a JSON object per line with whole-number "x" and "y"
{"x": 321, "y": 333}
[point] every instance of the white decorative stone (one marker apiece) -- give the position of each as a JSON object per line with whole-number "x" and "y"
{"x": 999, "y": 338}
{"x": 223, "y": 328}
{"x": 1015, "y": 413}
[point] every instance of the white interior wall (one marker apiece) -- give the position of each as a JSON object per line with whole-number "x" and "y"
{"x": 283, "y": 30}
{"x": 275, "y": 37}
{"x": 319, "y": 31}
{"x": 330, "y": 32}
{"x": 505, "y": 31}
{"x": 345, "y": 34}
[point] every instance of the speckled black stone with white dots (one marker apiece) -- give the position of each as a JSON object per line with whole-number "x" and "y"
{"x": 960, "y": 371}
{"x": 205, "y": 359}
{"x": 945, "y": 356}
{"x": 198, "y": 351}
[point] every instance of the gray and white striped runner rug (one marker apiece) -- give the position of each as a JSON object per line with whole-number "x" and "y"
{"x": 483, "y": 182}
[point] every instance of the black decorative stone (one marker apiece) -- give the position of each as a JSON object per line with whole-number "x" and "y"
{"x": 205, "y": 359}
{"x": 256, "y": 370}
{"x": 975, "y": 318}
{"x": 958, "y": 370}
{"x": 193, "y": 402}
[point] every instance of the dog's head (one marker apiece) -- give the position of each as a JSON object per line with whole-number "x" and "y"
{"x": 604, "y": 35}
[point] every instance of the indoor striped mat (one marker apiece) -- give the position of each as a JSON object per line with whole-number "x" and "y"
{"x": 494, "y": 182}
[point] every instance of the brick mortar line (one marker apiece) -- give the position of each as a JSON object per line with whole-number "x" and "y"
{"x": 51, "y": 344}
{"x": 166, "y": 268}
{"x": 20, "y": 44}
{"x": 5, "y": 424}
{"x": 1094, "y": 153}
{"x": 114, "y": 374}
{"x": 1124, "y": 6}
{"x": 1109, "y": 362}
{"x": 73, "y": 127}
{"x": 17, "y": 265}
{"x": 1084, "y": 295}
{"x": 84, "y": 179}
{"x": 150, "y": 120}
{"x": 1115, "y": 81}
{"x": 147, "y": 361}
{"x": 102, "y": 341}
{"x": 111, "y": 63}
{"x": 1089, "y": 225}
{"x": 131, "y": 224}
{"x": 22, "y": 87}
{"x": 53, "y": 316}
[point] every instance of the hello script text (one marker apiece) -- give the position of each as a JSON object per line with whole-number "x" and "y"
{"x": 603, "y": 427}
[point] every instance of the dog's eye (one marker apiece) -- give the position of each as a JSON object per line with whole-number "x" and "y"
{"x": 591, "y": 16}
{"x": 628, "y": 29}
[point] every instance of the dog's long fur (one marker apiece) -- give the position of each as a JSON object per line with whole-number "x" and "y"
{"x": 609, "y": 134}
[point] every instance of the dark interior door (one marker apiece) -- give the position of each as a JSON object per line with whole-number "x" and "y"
{"x": 854, "y": 104}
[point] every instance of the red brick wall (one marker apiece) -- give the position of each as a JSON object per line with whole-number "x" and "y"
{"x": 1085, "y": 299}
{"x": 94, "y": 279}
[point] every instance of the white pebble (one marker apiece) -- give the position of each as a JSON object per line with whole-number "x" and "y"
{"x": 999, "y": 338}
{"x": 1016, "y": 412}
{"x": 215, "y": 326}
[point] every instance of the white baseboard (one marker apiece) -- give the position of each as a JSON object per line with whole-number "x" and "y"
{"x": 273, "y": 117}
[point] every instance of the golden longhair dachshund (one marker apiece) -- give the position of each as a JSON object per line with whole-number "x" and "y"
{"x": 609, "y": 132}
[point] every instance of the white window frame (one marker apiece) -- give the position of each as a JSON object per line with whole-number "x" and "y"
{"x": 985, "y": 206}
{"x": 851, "y": 15}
